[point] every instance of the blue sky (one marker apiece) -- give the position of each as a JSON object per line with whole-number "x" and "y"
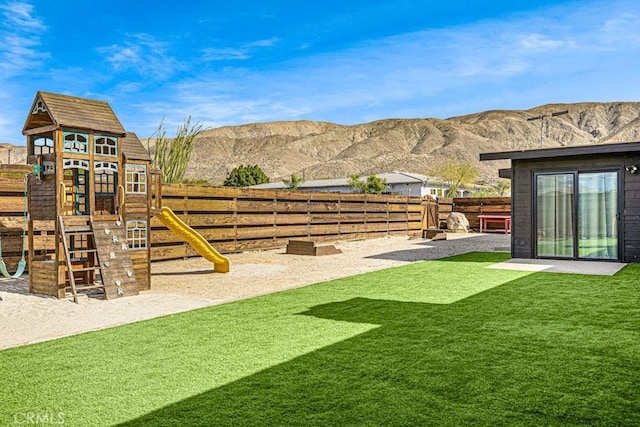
{"x": 229, "y": 63}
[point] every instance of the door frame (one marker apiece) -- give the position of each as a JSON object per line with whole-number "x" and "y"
{"x": 576, "y": 172}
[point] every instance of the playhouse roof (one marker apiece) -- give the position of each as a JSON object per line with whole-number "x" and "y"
{"x": 133, "y": 149}
{"x": 52, "y": 111}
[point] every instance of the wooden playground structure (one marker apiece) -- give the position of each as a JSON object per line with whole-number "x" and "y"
{"x": 88, "y": 182}
{"x": 90, "y": 194}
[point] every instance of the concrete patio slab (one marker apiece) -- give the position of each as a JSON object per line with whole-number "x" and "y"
{"x": 601, "y": 268}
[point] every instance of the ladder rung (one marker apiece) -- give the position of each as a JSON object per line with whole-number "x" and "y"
{"x": 85, "y": 287}
{"x": 86, "y": 269}
{"x": 106, "y": 217}
{"x": 78, "y": 231}
{"x": 75, "y": 219}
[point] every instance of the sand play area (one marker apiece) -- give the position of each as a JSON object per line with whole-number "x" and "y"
{"x": 183, "y": 285}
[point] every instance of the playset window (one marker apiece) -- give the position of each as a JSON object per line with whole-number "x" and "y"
{"x": 48, "y": 168}
{"x": 136, "y": 179}
{"x": 42, "y": 145}
{"x": 76, "y": 142}
{"x": 137, "y": 234}
{"x": 76, "y": 164}
{"x": 106, "y": 178}
{"x": 106, "y": 145}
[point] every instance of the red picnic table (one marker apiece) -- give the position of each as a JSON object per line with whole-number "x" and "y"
{"x": 485, "y": 220}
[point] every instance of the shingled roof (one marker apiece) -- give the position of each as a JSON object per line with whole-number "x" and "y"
{"x": 133, "y": 149}
{"x": 64, "y": 111}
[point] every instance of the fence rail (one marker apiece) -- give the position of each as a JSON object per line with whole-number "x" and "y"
{"x": 241, "y": 219}
{"x": 471, "y": 207}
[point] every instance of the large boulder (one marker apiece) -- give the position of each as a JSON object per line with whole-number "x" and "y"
{"x": 457, "y": 222}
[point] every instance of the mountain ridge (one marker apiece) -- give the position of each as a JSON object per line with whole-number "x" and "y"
{"x": 316, "y": 150}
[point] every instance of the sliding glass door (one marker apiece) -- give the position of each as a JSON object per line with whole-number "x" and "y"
{"x": 576, "y": 215}
{"x": 555, "y": 215}
{"x": 598, "y": 215}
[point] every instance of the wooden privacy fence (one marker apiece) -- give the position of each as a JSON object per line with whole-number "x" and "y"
{"x": 239, "y": 219}
{"x": 471, "y": 207}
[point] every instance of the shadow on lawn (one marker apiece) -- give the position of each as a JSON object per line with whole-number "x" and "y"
{"x": 541, "y": 350}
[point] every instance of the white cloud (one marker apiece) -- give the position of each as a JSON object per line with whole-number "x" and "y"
{"x": 129, "y": 87}
{"x": 246, "y": 51}
{"x": 20, "y": 33}
{"x": 19, "y": 14}
{"x": 224, "y": 54}
{"x": 622, "y": 28}
{"x": 537, "y": 43}
{"x": 214, "y": 111}
{"x": 263, "y": 43}
{"x": 141, "y": 54}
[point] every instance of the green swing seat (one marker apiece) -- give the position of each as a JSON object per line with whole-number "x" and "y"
{"x": 22, "y": 264}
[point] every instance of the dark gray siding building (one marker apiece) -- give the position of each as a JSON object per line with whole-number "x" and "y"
{"x": 578, "y": 202}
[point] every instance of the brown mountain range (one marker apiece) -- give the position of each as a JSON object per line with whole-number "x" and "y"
{"x": 316, "y": 150}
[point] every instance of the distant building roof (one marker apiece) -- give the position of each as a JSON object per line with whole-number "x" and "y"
{"x": 406, "y": 178}
{"x": 275, "y": 185}
{"x": 312, "y": 183}
{"x": 63, "y": 111}
{"x": 393, "y": 178}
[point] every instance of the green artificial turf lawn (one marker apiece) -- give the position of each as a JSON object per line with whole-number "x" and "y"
{"x": 443, "y": 342}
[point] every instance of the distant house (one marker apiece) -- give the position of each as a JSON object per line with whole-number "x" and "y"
{"x": 402, "y": 183}
{"x": 579, "y": 202}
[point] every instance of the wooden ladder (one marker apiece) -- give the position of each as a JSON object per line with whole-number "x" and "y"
{"x": 116, "y": 265}
{"x": 102, "y": 242}
{"x": 81, "y": 256}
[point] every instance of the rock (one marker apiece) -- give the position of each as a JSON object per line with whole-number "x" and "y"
{"x": 457, "y": 222}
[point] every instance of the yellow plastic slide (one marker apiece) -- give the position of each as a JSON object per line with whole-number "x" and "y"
{"x": 195, "y": 239}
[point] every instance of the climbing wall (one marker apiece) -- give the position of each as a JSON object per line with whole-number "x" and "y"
{"x": 116, "y": 266}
